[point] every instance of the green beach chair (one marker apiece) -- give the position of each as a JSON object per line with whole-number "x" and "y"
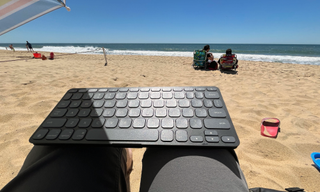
{"x": 199, "y": 59}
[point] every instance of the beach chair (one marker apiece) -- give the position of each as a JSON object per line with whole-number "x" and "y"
{"x": 228, "y": 62}
{"x": 199, "y": 59}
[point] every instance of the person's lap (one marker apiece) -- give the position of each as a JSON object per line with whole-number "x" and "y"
{"x": 100, "y": 168}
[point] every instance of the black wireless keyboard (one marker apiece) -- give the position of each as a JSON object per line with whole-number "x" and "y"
{"x": 140, "y": 117}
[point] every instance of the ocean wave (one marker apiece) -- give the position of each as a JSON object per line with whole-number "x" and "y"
{"x": 247, "y": 57}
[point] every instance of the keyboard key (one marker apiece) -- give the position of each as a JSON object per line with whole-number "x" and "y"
{"x": 216, "y": 123}
{"x": 54, "y": 123}
{"x": 111, "y": 123}
{"x": 171, "y": 103}
{"x": 217, "y": 113}
{"x": 153, "y": 123}
{"x": 121, "y": 112}
{"x": 199, "y": 95}
{"x": 134, "y": 112}
{"x": 123, "y": 135}
{"x": 201, "y": 112}
{"x": 66, "y": 134}
{"x": 147, "y": 112}
{"x": 125, "y": 123}
{"x": 96, "y": 113}
{"x": 195, "y": 123}
{"x": 109, "y": 96}
{"x": 179, "y": 95}
{"x": 79, "y": 134}
{"x": 98, "y": 123}
{"x": 87, "y": 96}
{"x": 181, "y": 136}
{"x": 98, "y": 96}
{"x": 58, "y": 112}
{"x": 86, "y": 104}
{"x": 211, "y": 95}
{"x": 110, "y": 104}
{"x": 134, "y": 103}
{"x": 211, "y": 133}
{"x": 155, "y": 95}
{"x": 174, "y": 113}
{"x": 77, "y": 96}
{"x": 75, "y": 104}
{"x": 98, "y": 104}
{"x": 207, "y": 103}
{"x": 200, "y": 89}
{"x": 228, "y": 139}
{"x": 196, "y": 103}
{"x": 212, "y": 89}
{"x": 121, "y": 95}
{"x": 102, "y": 90}
{"x": 71, "y": 123}
{"x": 63, "y": 104}
{"x": 166, "y": 135}
{"x": 166, "y": 95}
{"x": 92, "y": 90}
{"x": 167, "y": 123}
{"x": 113, "y": 90}
{"x": 190, "y": 95}
{"x": 210, "y": 139}
{"x": 184, "y": 103}
{"x": 53, "y": 134}
{"x": 84, "y": 112}
{"x": 139, "y": 123}
{"x": 72, "y": 112}
{"x": 145, "y": 103}
{"x": 109, "y": 112}
{"x": 85, "y": 123}
{"x": 132, "y": 95}
{"x": 217, "y": 103}
{"x": 181, "y": 123}
{"x": 188, "y": 89}
{"x": 158, "y": 103}
{"x": 122, "y": 103}
{"x": 187, "y": 112}
{"x": 40, "y": 134}
{"x": 143, "y": 95}
{"x": 124, "y": 89}
{"x": 196, "y": 139}
{"x": 161, "y": 112}
{"x": 67, "y": 96}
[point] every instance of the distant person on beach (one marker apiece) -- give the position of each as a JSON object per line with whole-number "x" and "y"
{"x": 211, "y": 63}
{"x": 11, "y": 47}
{"x": 229, "y": 56}
{"x": 29, "y": 47}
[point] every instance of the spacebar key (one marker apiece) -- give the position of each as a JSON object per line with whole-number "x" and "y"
{"x": 122, "y": 135}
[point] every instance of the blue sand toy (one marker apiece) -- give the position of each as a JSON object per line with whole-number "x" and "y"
{"x": 316, "y": 159}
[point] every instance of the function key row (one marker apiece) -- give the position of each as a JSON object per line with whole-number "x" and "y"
{"x": 143, "y": 89}
{"x": 142, "y": 95}
{"x": 171, "y": 103}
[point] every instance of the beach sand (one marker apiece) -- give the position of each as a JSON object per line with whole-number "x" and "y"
{"x": 30, "y": 88}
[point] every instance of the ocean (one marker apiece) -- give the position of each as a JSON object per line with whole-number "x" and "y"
{"x": 282, "y": 53}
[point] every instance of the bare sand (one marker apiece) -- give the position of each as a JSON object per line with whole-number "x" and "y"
{"x": 30, "y": 88}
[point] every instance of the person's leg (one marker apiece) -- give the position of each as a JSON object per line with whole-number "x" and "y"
{"x": 72, "y": 168}
{"x": 185, "y": 169}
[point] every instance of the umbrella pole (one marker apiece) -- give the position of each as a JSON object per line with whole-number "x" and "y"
{"x": 105, "y": 56}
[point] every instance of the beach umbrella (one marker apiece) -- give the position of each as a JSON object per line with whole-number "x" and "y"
{"x": 14, "y": 13}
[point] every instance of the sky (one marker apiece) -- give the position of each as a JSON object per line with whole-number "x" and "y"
{"x": 175, "y": 21}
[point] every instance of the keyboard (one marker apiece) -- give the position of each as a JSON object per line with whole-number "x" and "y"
{"x": 140, "y": 117}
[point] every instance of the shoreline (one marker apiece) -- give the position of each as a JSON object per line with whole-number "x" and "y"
{"x": 30, "y": 88}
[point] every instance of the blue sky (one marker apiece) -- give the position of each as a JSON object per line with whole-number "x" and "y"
{"x": 175, "y": 21}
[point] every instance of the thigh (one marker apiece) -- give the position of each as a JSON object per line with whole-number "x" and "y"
{"x": 185, "y": 169}
{"x": 71, "y": 168}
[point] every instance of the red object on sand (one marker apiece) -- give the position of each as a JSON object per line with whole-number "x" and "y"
{"x": 51, "y": 56}
{"x": 270, "y": 127}
{"x": 37, "y": 55}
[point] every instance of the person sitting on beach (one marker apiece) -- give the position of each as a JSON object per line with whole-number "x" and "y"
{"x": 11, "y": 47}
{"x": 211, "y": 63}
{"x": 229, "y": 56}
{"x": 29, "y": 47}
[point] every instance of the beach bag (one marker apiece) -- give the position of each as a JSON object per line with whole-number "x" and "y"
{"x": 51, "y": 56}
{"x": 44, "y": 57}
